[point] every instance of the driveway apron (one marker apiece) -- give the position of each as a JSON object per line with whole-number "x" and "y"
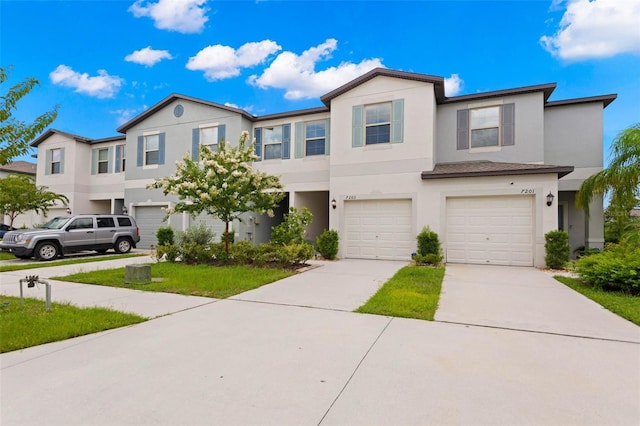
{"x": 344, "y": 285}
{"x": 525, "y": 299}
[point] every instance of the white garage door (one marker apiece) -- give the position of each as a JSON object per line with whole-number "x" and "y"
{"x": 379, "y": 229}
{"x": 490, "y": 230}
{"x": 149, "y": 219}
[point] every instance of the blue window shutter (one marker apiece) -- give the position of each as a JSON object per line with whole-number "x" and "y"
{"x": 47, "y": 160}
{"x": 508, "y": 124}
{"x": 195, "y": 144}
{"x": 110, "y": 162}
{"x": 327, "y": 137}
{"x": 397, "y": 121}
{"x": 94, "y": 161}
{"x": 61, "y": 160}
{"x": 140, "y": 160}
{"x": 356, "y": 130}
{"x": 463, "y": 129}
{"x": 161, "y": 146}
{"x": 299, "y": 143}
{"x": 286, "y": 141}
{"x": 258, "y": 147}
{"x": 222, "y": 130}
{"x": 119, "y": 158}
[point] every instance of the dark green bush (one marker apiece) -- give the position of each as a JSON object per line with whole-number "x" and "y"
{"x": 291, "y": 230}
{"x": 199, "y": 234}
{"x": 429, "y": 259}
{"x": 617, "y": 268}
{"x": 243, "y": 253}
{"x": 327, "y": 243}
{"x": 165, "y": 236}
{"x": 194, "y": 253}
{"x": 428, "y": 242}
{"x": 557, "y": 248}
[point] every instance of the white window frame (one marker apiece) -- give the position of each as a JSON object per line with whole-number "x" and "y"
{"x": 203, "y": 128}
{"x": 105, "y": 161}
{"x": 485, "y": 127}
{"x": 266, "y": 142}
{"x": 387, "y": 123}
{"x": 315, "y": 138}
{"x": 52, "y": 169}
{"x": 147, "y": 151}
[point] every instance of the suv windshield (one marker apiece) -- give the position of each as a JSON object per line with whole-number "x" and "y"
{"x": 56, "y": 223}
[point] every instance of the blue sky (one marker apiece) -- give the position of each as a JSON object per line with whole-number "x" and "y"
{"x": 103, "y": 62}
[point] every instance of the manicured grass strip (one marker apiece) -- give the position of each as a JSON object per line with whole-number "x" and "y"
{"x": 35, "y": 265}
{"x": 413, "y": 292}
{"x": 625, "y": 305}
{"x": 6, "y": 256}
{"x": 31, "y": 325}
{"x": 193, "y": 280}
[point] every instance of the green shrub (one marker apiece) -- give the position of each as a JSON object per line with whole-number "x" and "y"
{"x": 243, "y": 253}
{"x": 232, "y": 237}
{"x": 199, "y": 234}
{"x": 617, "y": 268}
{"x": 292, "y": 229}
{"x": 194, "y": 253}
{"x": 165, "y": 236}
{"x": 327, "y": 243}
{"x": 557, "y": 248}
{"x": 429, "y": 259}
{"x": 168, "y": 252}
{"x": 428, "y": 242}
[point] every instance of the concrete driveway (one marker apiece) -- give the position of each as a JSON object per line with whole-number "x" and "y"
{"x": 259, "y": 361}
{"x": 525, "y": 299}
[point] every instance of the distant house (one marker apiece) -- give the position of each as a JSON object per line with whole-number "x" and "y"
{"x": 21, "y": 168}
{"x": 386, "y": 154}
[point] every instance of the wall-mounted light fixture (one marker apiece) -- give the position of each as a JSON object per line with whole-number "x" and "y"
{"x": 125, "y": 210}
{"x": 334, "y": 203}
{"x": 550, "y": 198}
{"x": 68, "y": 210}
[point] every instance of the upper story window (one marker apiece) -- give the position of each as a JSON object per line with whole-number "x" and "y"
{"x": 103, "y": 160}
{"x": 314, "y": 141}
{"x": 120, "y": 158}
{"x": 151, "y": 149}
{"x": 209, "y": 137}
{"x": 377, "y": 123}
{"x": 486, "y": 128}
{"x": 272, "y": 141}
{"x": 55, "y": 165}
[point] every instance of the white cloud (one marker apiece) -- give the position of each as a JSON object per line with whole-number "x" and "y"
{"x": 596, "y": 29}
{"x": 247, "y": 108}
{"x": 219, "y": 62}
{"x": 101, "y": 86}
{"x": 296, "y": 73}
{"x": 453, "y": 85}
{"x": 183, "y": 16}
{"x": 148, "y": 56}
{"x": 124, "y": 115}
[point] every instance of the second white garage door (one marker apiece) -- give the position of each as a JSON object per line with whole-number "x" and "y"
{"x": 379, "y": 229}
{"x": 490, "y": 230}
{"x": 149, "y": 220}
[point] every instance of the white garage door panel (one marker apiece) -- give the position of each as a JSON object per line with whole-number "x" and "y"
{"x": 490, "y": 230}
{"x": 149, "y": 220}
{"x": 378, "y": 229}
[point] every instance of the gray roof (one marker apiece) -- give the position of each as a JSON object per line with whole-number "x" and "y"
{"x": 605, "y": 99}
{"x": 492, "y": 168}
{"x": 21, "y": 167}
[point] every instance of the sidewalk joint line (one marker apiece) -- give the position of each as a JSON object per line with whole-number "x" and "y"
{"x": 355, "y": 371}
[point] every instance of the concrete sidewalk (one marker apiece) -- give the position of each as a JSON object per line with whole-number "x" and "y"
{"x": 525, "y": 299}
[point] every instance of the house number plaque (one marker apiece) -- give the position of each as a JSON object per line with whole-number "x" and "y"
{"x": 528, "y": 191}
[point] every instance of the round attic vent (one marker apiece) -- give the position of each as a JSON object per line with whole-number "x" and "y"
{"x": 178, "y": 111}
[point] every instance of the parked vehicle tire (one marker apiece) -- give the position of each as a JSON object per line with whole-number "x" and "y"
{"x": 123, "y": 245}
{"x": 101, "y": 251}
{"x": 47, "y": 251}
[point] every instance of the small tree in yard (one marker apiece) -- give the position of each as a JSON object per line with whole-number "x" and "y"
{"x": 222, "y": 184}
{"x": 292, "y": 228}
{"x": 429, "y": 249}
{"x": 557, "y": 248}
{"x": 19, "y": 194}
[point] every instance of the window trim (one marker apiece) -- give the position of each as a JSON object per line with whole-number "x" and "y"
{"x": 145, "y": 151}
{"x": 323, "y": 138}
{"x": 105, "y": 161}
{"x": 498, "y": 127}
{"x": 51, "y": 164}
{"x": 367, "y": 125}
{"x": 266, "y": 143}
{"x": 202, "y": 127}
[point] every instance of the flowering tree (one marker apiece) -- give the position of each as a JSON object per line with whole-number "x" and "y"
{"x": 222, "y": 184}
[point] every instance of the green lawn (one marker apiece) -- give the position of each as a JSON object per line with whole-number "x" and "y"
{"x": 35, "y": 265}
{"x": 625, "y": 305}
{"x": 31, "y": 325}
{"x": 7, "y": 256}
{"x": 194, "y": 280}
{"x": 413, "y": 292}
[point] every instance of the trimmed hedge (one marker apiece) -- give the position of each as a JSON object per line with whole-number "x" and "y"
{"x": 617, "y": 268}
{"x": 558, "y": 250}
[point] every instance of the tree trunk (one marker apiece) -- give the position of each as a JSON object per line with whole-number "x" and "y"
{"x": 226, "y": 237}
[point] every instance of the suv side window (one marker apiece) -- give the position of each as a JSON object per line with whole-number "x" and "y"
{"x": 82, "y": 223}
{"x": 124, "y": 221}
{"x": 105, "y": 222}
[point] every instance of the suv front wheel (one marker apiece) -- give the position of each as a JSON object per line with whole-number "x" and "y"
{"x": 123, "y": 245}
{"x": 46, "y": 251}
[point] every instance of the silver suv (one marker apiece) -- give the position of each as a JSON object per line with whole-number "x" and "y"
{"x": 66, "y": 234}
